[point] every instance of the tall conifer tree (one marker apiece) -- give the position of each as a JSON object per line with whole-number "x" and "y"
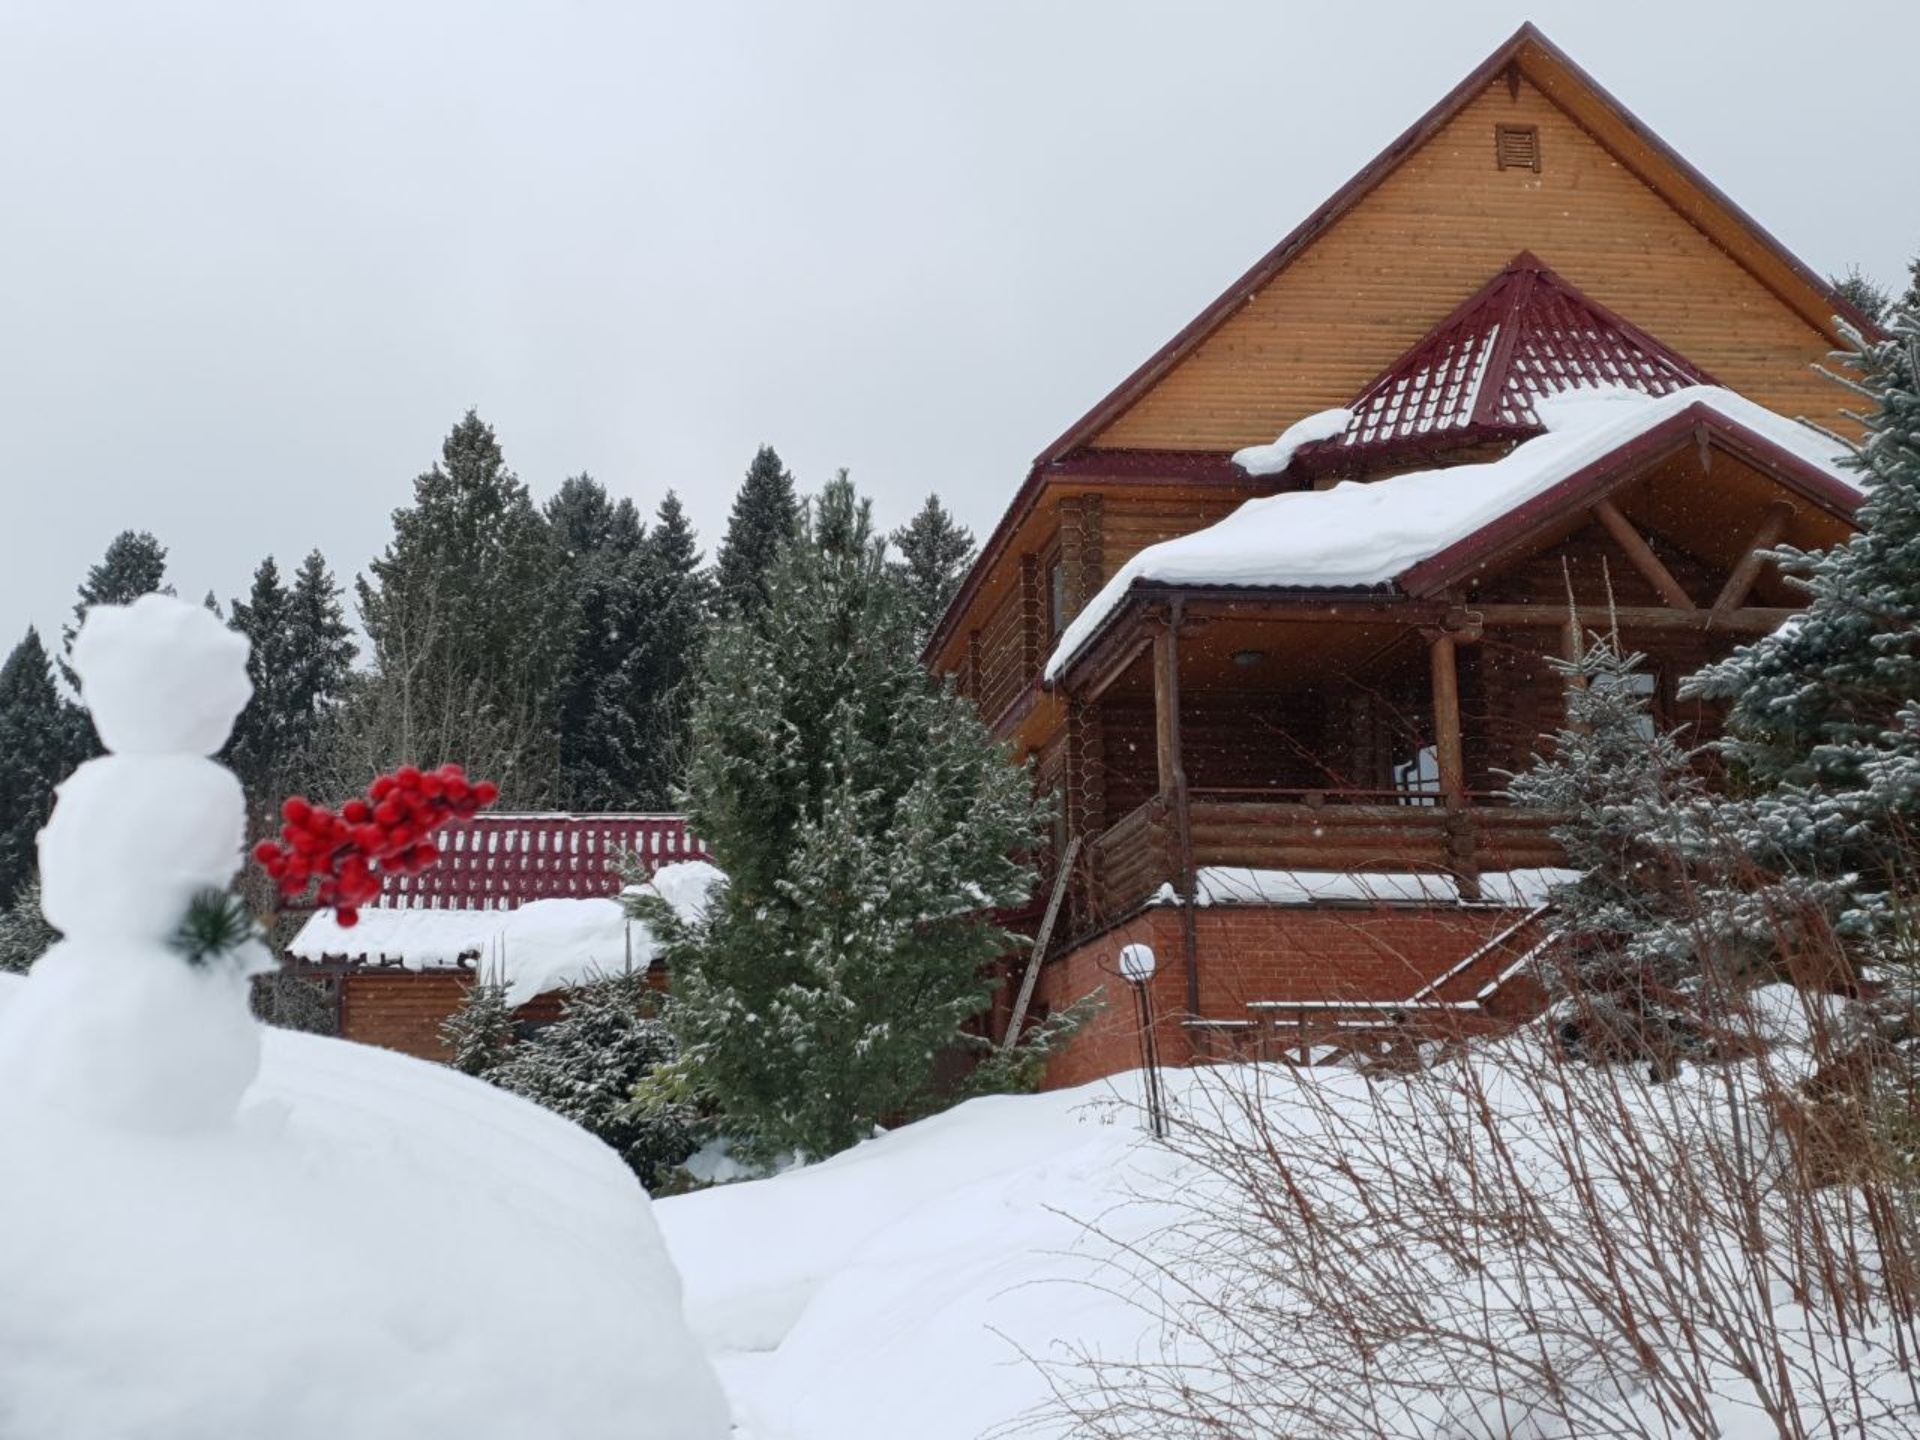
{"x": 461, "y": 610}
{"x": 935, "y": 554}
{"x": 869, "y": 828}
{"x": 766, "y": 513}
{"x": 42, "y": 737}
{"x": 300, "y": 663}
{"x": 135, "y": 564}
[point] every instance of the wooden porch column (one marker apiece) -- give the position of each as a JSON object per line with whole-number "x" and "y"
{"x": 1166, "y": 710}
{"x": 1444, "y": 660}
{"x": 1173, "y": 786}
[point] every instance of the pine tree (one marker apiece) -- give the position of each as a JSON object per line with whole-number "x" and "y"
{"x": 460, "y": 610}
{"x": 869, "y": 828}
{"x": 25, "y": 934}
{"x": 585, "y": 1066}
{"x": 479, "y": 1034}
{"x": 766, "y": 514}
{"x": 935, "y": 555}
{"x": 135, "y": 564}
{"x": 42, "y": 737}
{"x": 1628, "y": 962}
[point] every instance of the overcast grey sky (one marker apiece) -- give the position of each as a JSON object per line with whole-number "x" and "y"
{"x": 258, "y": 258}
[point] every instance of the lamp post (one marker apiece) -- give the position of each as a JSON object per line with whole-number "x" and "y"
{"x": 1136, "y": 968}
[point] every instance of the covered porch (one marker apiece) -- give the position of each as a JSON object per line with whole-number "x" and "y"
{"x": 1351, "y": 735}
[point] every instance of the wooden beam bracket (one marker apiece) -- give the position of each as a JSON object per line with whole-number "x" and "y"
{"x": 1641, "y": 554}
{"x": 1752, "y": 559}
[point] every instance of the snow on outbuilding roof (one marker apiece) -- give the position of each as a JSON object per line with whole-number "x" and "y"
{"x": 1361, "y": 535}
{"x": 539, "y": 946}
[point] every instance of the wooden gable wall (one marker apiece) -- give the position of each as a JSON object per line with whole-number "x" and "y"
{"x": 1432, "y": 232}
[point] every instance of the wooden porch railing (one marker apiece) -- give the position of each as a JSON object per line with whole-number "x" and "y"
{"x": 1312, "y": 830}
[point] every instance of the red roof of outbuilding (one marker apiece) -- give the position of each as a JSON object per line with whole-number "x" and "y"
{"x": 1476, "y": 375}
{"x": 500, "y": 862}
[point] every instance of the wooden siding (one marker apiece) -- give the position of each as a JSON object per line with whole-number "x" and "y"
{"x": 1435, "y": 230}
{"x": 1130, "y": 524}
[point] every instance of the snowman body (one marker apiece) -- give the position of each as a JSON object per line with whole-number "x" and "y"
{"x": 115, "y": 1023}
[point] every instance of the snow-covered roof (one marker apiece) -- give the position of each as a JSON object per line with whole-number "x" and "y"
{"x": 543, "y": 945}
{"x": 1359, "y": 535}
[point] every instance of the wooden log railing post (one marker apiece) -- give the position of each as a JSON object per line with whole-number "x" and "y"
{"x": 1448, "y": 750}
{"x": 1450, "y": 757}
{"x": 1173, "y": 786}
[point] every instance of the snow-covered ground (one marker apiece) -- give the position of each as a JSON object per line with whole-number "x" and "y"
{"x": 380, "y": 1247}
{"x": 909, "y": 1285}
{"x": 211, "y": 1229}
{"x": 890, "y": 1290}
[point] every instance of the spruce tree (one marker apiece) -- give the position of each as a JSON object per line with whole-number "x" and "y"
{"x": 479, "y": 1034}
{"x": 935, "y": 555}
{"x": 676, "y": 627}
{"x": 766, "y": 513}
{"x": 585, "y": 1066}
{"x": 1864, "y": 293}
{"x": 1822, "y": 712}
{"x": 1627, "y": 967}
{"x": 1823, "y": 726}
{"x": 460, "y": 610}
{"x": 42, "y": 737}
{"x": 869, "y": 829}
{"x": 632, "y": 644}
{"x": 135, "y": 564}
{"x": 25, "y": 934}
{"x": 300, "y": 660}
{"x": 585, "y": 520}
{"x": 601, "y": 695}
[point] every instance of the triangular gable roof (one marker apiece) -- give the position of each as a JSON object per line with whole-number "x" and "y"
{"x": 1412, "y": 535}
{"x": 1526, "y": 334}
{"x": 1527, "y": 53}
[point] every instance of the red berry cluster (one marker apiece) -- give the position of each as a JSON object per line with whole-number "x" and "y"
{"x": 349, "y": 854}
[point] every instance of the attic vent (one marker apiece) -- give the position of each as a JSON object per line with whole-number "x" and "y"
{"x": 1516, "y": 147}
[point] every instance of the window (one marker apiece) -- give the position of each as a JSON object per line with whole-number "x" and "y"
{"x": 1056, "y": 598}
{"x": 1644, "y": 687}
{"x": 1418, "y": 779}
{"x": 1516, "y": 147}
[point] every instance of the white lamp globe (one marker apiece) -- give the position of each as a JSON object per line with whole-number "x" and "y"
{"x": 1136, "y": 964}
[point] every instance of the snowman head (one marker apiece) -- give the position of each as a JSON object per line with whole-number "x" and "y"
{"x": 161, "y": 676}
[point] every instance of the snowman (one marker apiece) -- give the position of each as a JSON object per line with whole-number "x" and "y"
{"x": 123, "y": 1022}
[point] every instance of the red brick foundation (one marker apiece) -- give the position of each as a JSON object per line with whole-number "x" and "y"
{"x": 1277, "y": 954}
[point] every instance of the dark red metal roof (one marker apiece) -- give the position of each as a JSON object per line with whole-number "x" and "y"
{"x": 1476, "y": 375}
{"x": 500, "y": 862}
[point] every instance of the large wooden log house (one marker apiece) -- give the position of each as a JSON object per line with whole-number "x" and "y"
{"x": 1275, "y": 685}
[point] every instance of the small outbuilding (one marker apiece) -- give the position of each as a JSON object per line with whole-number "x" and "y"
{"x": 529, "y": 901}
